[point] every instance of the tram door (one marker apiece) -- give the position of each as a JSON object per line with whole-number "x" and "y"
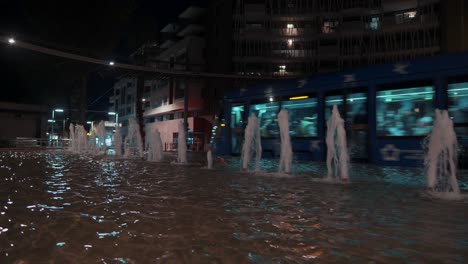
{"x": 353, "y": 109}
{"x": 237, "y": 128}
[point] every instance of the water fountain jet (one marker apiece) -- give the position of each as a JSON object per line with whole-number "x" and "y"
{"x": 337, "y": 152}
{"x": 155, "y": 149}
{"x": 286, "y": 154}
{"x": 252, "y": 144}
{"x": 441, "y": 158}
{"x": 133, "y": 139}
{"x": 181, "y": 144}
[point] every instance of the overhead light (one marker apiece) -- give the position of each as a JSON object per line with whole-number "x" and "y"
{"x": 290, "y": 42}
{"x": 11, "y": 41}
{"x": 59, "y": 110}
{"x": 290, "y": 26}
{"x": 299, "y": 97}
{"x": 223, "y": 125}
{"x": 144, "y": 99}
{"x": 51, "y": 121}
{"x": 89, "y": 122}
{"x": 111, "y": 63}
{"x": 111, "y": 113}
{"x": 271, "y": 99}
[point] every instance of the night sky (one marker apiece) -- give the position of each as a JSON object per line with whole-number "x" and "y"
{"x": 106, "y": 29}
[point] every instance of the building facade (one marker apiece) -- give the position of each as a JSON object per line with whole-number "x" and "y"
{"x": 300, "y": 37}
{"x": 22, "y": 121}
{"x": 160, "y": 101}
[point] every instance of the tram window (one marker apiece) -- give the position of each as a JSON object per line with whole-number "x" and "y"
{"x": 405, "y": 112}
{"x": 330, "y": 101}
{"x": 356, "y": 109}
{"x": 302, "y": 117}
{"x": 267, "y": 117}
{"x": 458, "y": 102}
{"x": 237, "y": 113}
{"x": 237, "y": 128}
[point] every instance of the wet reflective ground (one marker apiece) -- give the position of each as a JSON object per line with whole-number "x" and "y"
{"x": 63, "y": 208}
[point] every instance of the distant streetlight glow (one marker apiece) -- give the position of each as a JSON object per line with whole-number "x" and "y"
{"x": 271, "y": 99}
{"x": 111, "y": 63}
{"x": 11, "y": 41}
{"x": 143, "y": 100}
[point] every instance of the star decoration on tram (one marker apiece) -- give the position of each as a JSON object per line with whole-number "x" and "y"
{"x": 349, "y": 78}
{"x": 400, "y": 68}
{"x": 301, "y": 83}
{"x": 390, "y": 153}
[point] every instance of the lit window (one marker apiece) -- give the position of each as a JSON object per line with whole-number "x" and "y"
{"x": 302, "y": 117}
{"x": 458, "y": 105}
{"x": 290, "y": 26}
{"x": 405, "y": 112}
{"x": 374, "y": 23}
{"x": 267, "y": 118}
{"x": 405, "y": 17}
{"x": 329, "y": 26}
{"x": 281, "y": 70}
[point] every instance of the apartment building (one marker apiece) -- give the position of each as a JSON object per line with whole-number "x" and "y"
{"x": 159, "y": 101}
{"x": 298, "y": 37}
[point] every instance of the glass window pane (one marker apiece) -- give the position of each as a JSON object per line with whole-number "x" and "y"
{"x": 356, "y": 122}
{"x": 458, "y": 110}
{"x": 330, "y": 101}
{"x": 267, "y": 116}
{"x": 356, "y": 109}
{"x": 237, "y": 128}
{"x": 405, "y": 112}
{"x": 302, "y": 117}
{"x": 458, "y": 102}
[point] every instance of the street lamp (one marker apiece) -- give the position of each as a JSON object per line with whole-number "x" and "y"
{"x": 11, "y": 41}
{"x": 58, "y": 110}
{"x": 116, "y": 117}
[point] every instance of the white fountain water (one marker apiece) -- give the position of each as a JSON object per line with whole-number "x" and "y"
{"x": 154, "y": 143}
{"x": 252, "y": 144}
{"x": 209, "y": 159}
{"x": 133, "y": 141}
{"x": 72, "y": 142}
{"x": 286, "y": 155}
{"x": 181, "y": 144}
{"x": 118, "y": 141}
{"x": 337, "y": 152}
{"x": 100, "y": 130}
{"x": 126, "y": 147}
{"x": 441, "y": 158}
{"x": 81, "y": 139}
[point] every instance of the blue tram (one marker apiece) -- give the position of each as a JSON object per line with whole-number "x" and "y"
{"x": 388, "y": 110}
